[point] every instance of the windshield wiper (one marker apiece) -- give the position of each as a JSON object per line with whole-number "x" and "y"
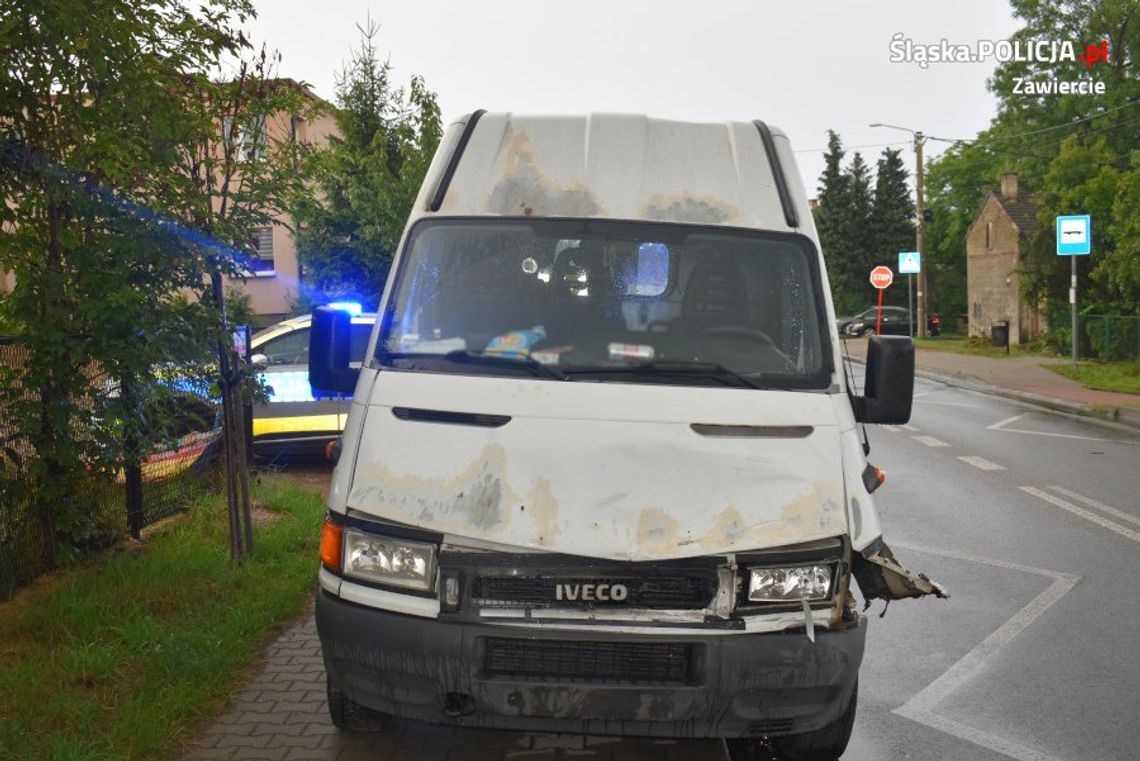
{"x": 669, "y": 367}
{"x": 464, "y": 357}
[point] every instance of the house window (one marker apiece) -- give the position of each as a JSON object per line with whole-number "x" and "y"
{"x": 989, "y": 236}
{"x": 261, "y": 262}
{"x": 249, "y": 138}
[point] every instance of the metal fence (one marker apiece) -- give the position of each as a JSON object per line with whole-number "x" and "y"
{"x": 174, "y": 473}
{"x": 1109, "y": 338}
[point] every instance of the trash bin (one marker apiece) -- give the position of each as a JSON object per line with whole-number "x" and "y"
{"x": 999, "y": 334}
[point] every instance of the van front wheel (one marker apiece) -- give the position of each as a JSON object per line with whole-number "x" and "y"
{"x": 350, "y": 716}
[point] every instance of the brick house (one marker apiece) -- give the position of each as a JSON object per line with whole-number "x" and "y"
{"x": 993, "y": 253}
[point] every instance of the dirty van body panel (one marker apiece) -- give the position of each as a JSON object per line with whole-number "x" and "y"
{"x": 600, "y": 470}
{"x": 696, "y": 685}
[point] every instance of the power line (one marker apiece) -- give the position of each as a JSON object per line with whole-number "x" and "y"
{"x": 1129, "y": 104}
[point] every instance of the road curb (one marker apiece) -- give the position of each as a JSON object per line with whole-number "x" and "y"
{"x": 1122, "y": 416}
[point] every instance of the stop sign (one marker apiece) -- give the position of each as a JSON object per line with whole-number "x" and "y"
{"x": 882, "y": 276}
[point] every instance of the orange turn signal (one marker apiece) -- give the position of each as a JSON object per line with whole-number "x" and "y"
{"x": 880, "y": 475}
{"x": 332, "y": 540}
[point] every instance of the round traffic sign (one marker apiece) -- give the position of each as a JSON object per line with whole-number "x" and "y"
{"x": 882, "y": 276}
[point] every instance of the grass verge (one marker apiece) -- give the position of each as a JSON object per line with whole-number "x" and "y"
{"x": 122, "y": 657}
{"x": 974, "y": 346}
{"x": 1123, "y": 377}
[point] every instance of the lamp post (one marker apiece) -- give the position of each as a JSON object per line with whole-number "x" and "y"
{"x": 920, "y": 226}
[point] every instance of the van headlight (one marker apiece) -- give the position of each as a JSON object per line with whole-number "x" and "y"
{"x": 807, "y": 582}
{"x": 386, "y": 560}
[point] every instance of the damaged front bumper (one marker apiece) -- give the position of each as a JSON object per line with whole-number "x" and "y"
{"x": 703, "y": 684}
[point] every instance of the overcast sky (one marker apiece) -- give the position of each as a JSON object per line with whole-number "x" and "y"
{"x": 802, "y": 66}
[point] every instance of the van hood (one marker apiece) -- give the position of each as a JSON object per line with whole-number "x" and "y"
{"x": 614, "y": 471}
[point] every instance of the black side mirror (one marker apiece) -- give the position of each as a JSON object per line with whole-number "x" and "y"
{"x": 888, "y": 391}
{"x": 330, "y": 344}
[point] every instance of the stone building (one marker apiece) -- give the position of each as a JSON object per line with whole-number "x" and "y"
{"x": 993, "y": 253}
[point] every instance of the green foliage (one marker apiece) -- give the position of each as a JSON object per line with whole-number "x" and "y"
{"x": 366, "y": 180}
{"x": 120, "y": 198}
{"x": 1075, "y": 154}
{"x": 124, "y": 657}
{"x": 93, "y": 108}
{"x": 1121, "y": 377}
{"x": 860, "y": 228}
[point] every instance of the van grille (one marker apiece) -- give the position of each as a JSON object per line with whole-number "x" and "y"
{"x": 569, "y": 661}
{"x": 693, "y": 591}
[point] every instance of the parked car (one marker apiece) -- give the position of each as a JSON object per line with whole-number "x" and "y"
{"x": 895, "y": 323}
{"x": 294, "y": 421}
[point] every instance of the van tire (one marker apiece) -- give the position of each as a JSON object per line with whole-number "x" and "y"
{"x": 825, "y": 744}
{"x": 348, "y": 715}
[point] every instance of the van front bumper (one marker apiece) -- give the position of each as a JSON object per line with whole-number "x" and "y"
{"x": 733, "y": 684}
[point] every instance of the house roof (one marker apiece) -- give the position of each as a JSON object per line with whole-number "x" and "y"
{"x": 1022, "y": 212}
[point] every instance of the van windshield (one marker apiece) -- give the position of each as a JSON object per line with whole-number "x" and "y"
{"x": 609, "y": 301}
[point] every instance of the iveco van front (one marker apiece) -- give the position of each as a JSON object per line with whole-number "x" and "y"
{"x": 602, "y": 472}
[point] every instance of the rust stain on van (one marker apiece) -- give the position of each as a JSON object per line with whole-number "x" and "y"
{"x": 684, "y": 208}
{"x": 657, "y": 531}
{"x": 542, "y": 508}
{"x": 473, "y": 498}
{"x": 524, "y": 191}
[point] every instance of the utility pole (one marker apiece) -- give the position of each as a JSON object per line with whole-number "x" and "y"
{"x": 920, "y": 228}
{"x": 920, "y": 221}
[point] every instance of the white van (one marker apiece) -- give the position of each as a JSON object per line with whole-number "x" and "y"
{"x": 603, "y": 472}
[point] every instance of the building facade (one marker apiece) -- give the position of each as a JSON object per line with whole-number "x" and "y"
{"x": 993, "y": 254}
{"x": 273, "y": 284}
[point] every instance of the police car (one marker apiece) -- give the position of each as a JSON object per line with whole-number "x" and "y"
{"x": 294, "y": 421}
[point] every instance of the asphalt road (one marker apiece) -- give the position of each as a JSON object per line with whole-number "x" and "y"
{"x": 1032, "y": 520}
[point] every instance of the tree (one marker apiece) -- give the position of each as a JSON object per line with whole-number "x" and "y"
{"x": 236, "y": 175}
{"x": 1049, "y": 141}
{"x": 829, "y": 220}
{"x": 366, "y": 180}
{"x": 892, "y": 213}
{"x": 859, "y": 224}
{"x": 120, "y": 199}
{"x": 92, "y": 121}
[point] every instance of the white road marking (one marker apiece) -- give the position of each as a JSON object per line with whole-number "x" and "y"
{"x": 981, "y": 463}
{"x": 1083, "y": 513}
{"x": 890, "y": 428}
{"x": 910, "y": 428}
{"x": 930, "y": 441}
{"x": 920, "y": 708}
{"x": 998, "y": 426}
{"x": 1098, "y": 505}
{"x": 1001, "y": 426}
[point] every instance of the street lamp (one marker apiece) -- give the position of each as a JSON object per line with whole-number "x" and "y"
{"x": 920, "y": 225}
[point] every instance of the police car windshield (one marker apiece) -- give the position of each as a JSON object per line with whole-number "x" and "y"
{"x": 595, "y": 298}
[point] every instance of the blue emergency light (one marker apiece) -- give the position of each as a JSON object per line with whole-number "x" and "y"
{"x": 351, "y": 307}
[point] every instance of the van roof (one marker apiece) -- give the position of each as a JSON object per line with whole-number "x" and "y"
{"x": 617, "y": 166}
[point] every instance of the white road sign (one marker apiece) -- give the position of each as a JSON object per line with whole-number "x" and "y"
{"x": 910, "y": 262}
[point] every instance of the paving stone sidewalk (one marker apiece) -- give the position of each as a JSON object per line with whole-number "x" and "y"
{"x": 281, "y": 715}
